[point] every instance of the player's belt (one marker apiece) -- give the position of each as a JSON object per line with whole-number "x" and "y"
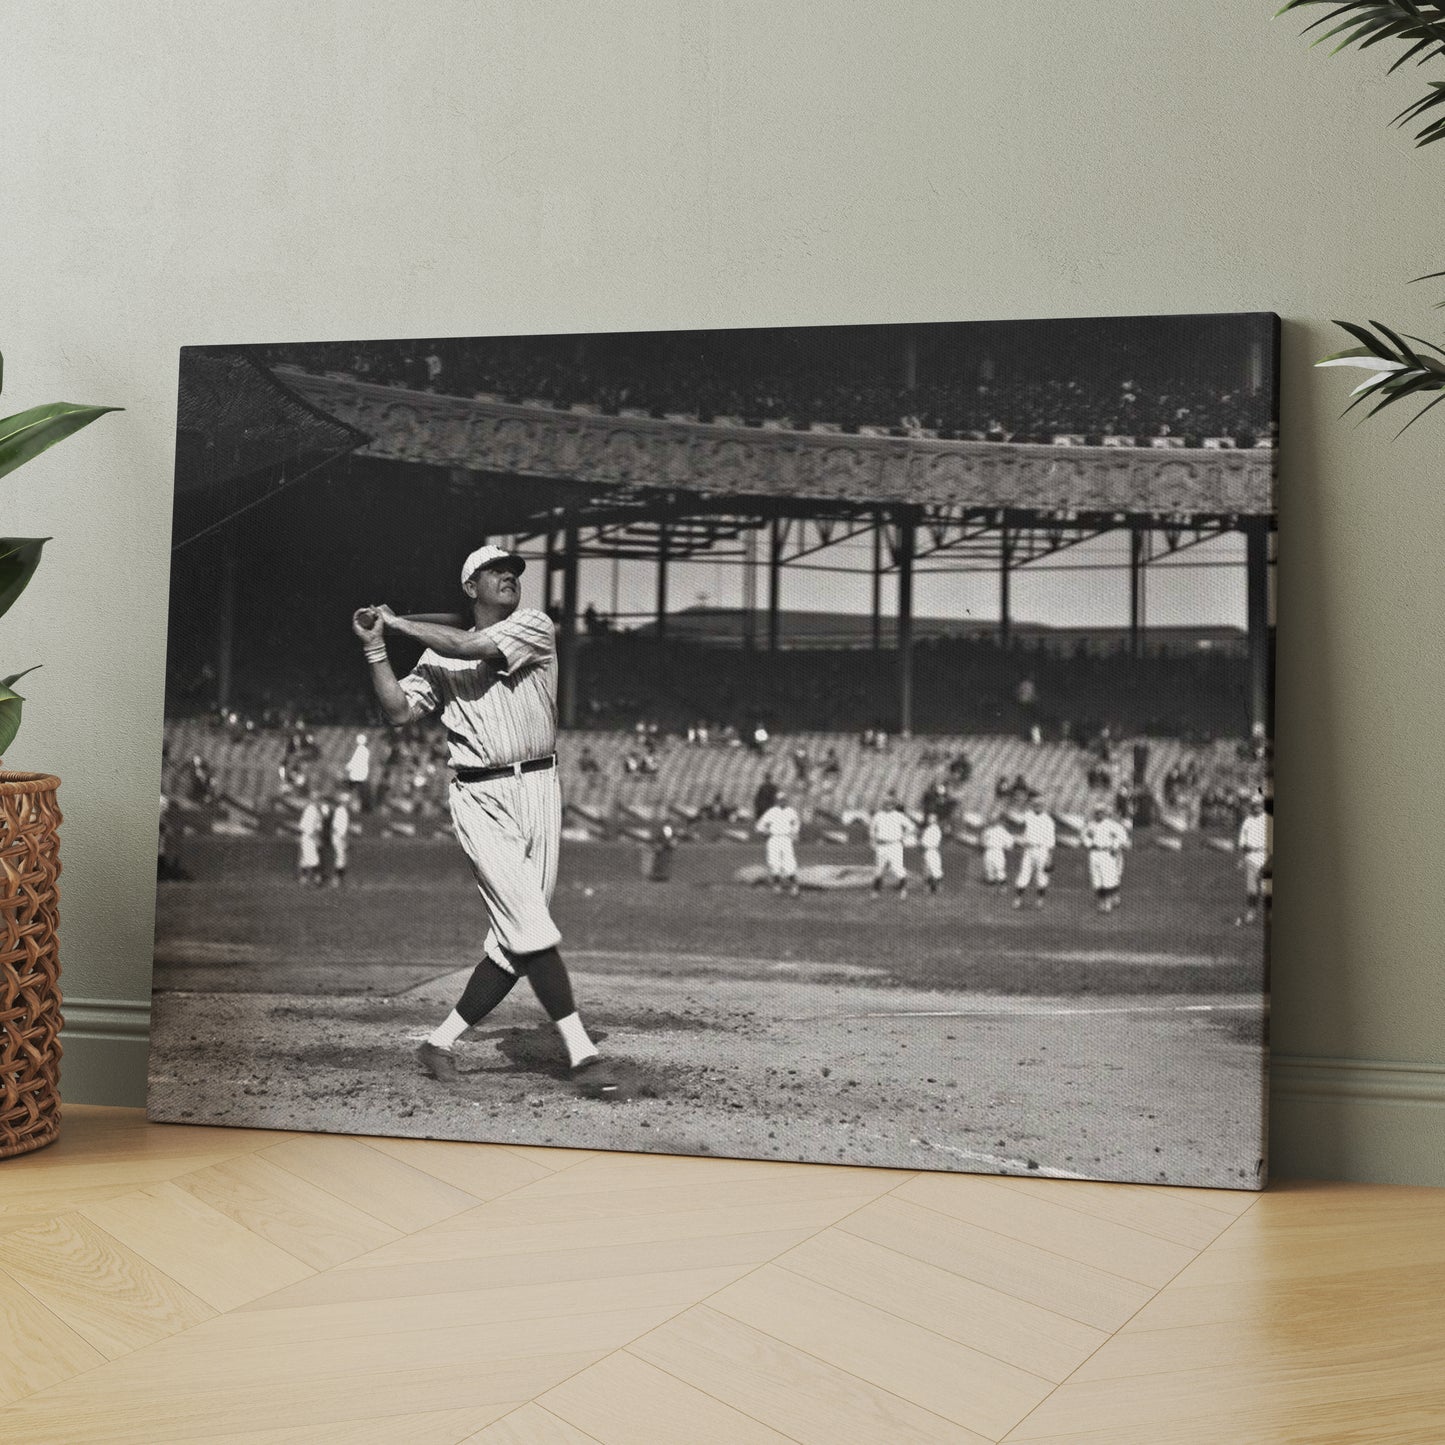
{"x": 505, "y": 770}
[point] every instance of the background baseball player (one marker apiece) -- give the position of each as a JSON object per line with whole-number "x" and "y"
{"x": 1254, "y": 847}
{"x": 338, "y": 834}
{"x": 358, "y": 772}
{"x": 495, "y": 687}
{"x": 931, "y": 841}
{"x": 1039, "y": 841}
{"x": 891, "y": 831}
{"x": 996, "y": 841}
{"x": 1104, "y": 839}
{"x": 781, "y": 825}
{"x": 310, "y": 829}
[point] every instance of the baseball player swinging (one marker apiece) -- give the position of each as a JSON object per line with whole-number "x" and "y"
{"x": 1104, "y": 839}
{"x": 781, "y": 826}
{"x": 495, "y": 686}
{"x": 1040, "y": 839}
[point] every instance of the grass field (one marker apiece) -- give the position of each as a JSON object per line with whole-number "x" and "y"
{"x": 948, "y": 1031}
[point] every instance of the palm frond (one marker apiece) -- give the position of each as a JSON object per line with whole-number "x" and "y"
{"x": 1397, "y": 370}
{"x": 1418, "y": 24}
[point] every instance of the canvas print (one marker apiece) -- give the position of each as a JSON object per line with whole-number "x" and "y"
{"x": 843, "y": 744}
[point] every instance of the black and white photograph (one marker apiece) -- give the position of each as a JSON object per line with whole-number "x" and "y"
{"x": 843, "y": 744}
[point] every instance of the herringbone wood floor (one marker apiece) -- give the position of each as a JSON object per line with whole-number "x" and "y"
{"x": 164, "y": 1284}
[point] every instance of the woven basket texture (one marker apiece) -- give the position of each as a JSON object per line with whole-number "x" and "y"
{"x": 29, "y": 962}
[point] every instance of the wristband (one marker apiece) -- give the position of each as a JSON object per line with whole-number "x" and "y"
{"x": 376, "y": 654}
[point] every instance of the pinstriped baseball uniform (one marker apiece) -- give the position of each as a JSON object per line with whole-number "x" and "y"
{"x": 510, "y": 827}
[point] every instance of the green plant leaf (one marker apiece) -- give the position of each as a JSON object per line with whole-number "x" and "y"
{"x": 19, "y": 557}
{"x": 1365, "y": 23}
{"x": 1421, "y": 340}
{"x": 28, "y": 433}
{"x": 1371, "y": 344}
{"x": 10, "y": 704}
{"x": 1418, "y": 415}
{"x": 1404, "y": 351}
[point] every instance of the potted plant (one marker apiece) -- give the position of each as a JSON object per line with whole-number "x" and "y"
{"x": 29, "y": 845}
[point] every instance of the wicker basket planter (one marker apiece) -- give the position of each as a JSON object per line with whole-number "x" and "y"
{"x": 29, "y": 962}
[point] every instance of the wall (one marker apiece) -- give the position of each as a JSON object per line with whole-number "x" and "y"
{"x": 178, "y": 173}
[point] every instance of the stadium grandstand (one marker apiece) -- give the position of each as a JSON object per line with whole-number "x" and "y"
{"x": 851, "y": 379}
{"x": 313, "y": 477}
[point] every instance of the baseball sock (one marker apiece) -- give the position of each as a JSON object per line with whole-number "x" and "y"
{"x": 485, "y": 989}
{"x": 578, "y": 1043}
{"x": 448, "y": 1031}
{"x": 548, "y": 976}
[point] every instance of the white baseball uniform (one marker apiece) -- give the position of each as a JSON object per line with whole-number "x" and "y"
{"x": 1040, "y": 839}
{"x": 312, "y": 825}
{"x": 358, "y": 765}
{"x": 932, "y": 841}
{"x": 511, "y": 826}
{"x": 996, "y": 840}
{"x": 340, "y": 834}
{"x": 891, "y": 830}
{"x": 1104, "y": 840}
{"x": 781, "y": 826}
{"x": 1254, "y": 844}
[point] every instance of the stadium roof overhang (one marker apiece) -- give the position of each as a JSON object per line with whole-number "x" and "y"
{"x": 529, "y": 463}
{"x": 234, "y": 418}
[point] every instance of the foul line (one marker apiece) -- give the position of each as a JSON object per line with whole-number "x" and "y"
{"x": 1035, "y": 1011}
{"x": 998, "y": 1164}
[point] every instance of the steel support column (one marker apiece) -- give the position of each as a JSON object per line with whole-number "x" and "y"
{"x": 663, "y": 540}
{"x": 777, "y": 535}
{"x": 226, "y": 628}
{"x": 878, "y": 585}
{"x": 567, "y": 651}
{"x": 1256, "y": 567}
{"x": 1137, "y": 559}
{"x": 750, "y": 589}
{"x": 549, "y": 572}
{"x": 1005, "y": 559}
{"x": 905, "y": 551}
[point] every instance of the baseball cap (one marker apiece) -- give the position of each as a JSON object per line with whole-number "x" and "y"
{"x": 485, "y": 555}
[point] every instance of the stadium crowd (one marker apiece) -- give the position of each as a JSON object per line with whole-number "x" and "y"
{"x": 961, "y": 685}
{"x": 682, "y": 381}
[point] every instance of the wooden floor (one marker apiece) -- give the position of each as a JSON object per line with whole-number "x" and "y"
{"x": 161, "y": 1284}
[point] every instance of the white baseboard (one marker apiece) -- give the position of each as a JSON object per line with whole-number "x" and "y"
{"x": 1371, "y": 1120}
{"x": 1361, "y": 1119}
{"x": 115, "y": 1018}
{"x": 104, "y": 1047}
{"x": 1301, "y": 1076}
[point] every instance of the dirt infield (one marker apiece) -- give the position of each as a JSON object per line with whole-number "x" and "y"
{"x": 940, "y": 1032}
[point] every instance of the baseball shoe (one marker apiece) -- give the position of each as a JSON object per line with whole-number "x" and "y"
{"x": 594, "y": 1079}
{"x": 438, "y": 1062}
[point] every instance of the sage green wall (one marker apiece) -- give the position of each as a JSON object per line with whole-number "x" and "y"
{"x": 258, "y": 170}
